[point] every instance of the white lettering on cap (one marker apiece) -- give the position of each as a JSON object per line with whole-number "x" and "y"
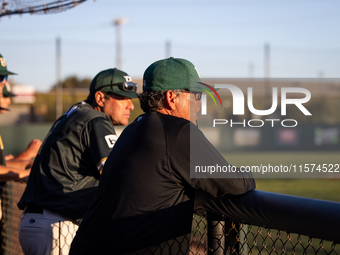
{"x": 128, "y": 78}
{"x": 2, "y": 61}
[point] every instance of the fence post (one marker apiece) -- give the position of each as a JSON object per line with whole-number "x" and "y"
{"x": 221, "y": 236}
{"x": 216, "y": 237}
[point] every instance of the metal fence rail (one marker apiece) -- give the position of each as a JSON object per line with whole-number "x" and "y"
{"x": 220, "y": 237}
{"x": 216, "y": 237}
{"x": 295, "y": 223}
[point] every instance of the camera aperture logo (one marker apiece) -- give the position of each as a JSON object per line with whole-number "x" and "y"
{"x": 239, "y": 103}
{"x": 213, "y": 90}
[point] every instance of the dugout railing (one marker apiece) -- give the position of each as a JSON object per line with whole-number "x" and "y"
{"x": 261, "y": 223}
{"x": 268, "y": 223}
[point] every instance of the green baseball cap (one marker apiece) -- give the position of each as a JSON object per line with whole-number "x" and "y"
{"x": 6, "y": 91}
{"x": 114, "y": 81}
{"x": 3, "y": 67}
{"x": 171, "y": 74}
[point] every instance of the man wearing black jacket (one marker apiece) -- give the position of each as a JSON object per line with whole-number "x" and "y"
{"x": 146, "y": 197}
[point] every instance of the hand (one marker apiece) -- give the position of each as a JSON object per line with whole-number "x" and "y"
{"x": 24, "y": 175}
{"x": 29, "y": 164}
{"x": 9, "y": 157}
{"x": 31, "y": 150}
{"x": 34, "y": 147}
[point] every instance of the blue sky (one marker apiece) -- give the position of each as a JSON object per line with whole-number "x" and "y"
{"x": 223, "y": 38}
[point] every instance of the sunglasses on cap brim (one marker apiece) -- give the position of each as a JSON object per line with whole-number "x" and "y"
{"x": 124, "y": 86}
{"x": 3, "y": 77}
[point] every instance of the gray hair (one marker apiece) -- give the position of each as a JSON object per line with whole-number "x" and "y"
{"x": 151, "y": 101}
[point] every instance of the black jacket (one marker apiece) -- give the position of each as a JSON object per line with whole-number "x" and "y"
{"x": 145, "y": 198}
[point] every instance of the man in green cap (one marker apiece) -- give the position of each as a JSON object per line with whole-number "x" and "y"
{"x": 14, "y": 170}
{"x": 6, "y": 96}
{"x": 66, "y": 171}
{"x": 13, "y": 174}
{"x": 145, "y": 200}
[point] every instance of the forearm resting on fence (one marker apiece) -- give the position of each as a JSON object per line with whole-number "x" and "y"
{"x": 312, "y": 217}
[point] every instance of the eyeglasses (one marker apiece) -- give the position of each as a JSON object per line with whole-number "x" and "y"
{"x": 125, "y": 86}
{"x": 3, "y": 77}
{"x": 197, "y": 95}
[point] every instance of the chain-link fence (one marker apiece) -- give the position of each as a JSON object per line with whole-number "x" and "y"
{"x": 213, "y": 236}
{"x": 228, "y": 238}
{"x": 220, "y": 237}
{"x": 10, "y": 7}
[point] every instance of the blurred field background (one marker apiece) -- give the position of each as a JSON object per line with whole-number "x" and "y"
{"x": 326, "y": 189}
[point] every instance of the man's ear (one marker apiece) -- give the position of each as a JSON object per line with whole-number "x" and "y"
{"x": 170, "y": 98}
{"x": 99, "y": 97}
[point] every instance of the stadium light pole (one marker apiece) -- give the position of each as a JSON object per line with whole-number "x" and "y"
{"x": 117, "y": 23}
{"x": 267, "y": 73}
{"x": 168, "y": 49}
{"x": 59, "y": 87}
{"x": 267, "y": 60}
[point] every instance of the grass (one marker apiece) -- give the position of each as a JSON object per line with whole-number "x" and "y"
{"x": 326, "y": 189}
{"x": 322, "y": 188}
{"x": 285, "y": 158}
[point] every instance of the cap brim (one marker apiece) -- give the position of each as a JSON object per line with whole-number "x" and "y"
{"x": 129, "y": 94}
{"x": 9, "y": 94}
{"x": 202, "y": 87}
{"x": 7, "y": 73}
{"x": 199, "y": 87}
{"x": 116, "y": 90}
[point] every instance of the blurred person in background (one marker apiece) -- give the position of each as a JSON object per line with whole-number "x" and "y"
{"x": 17, "y": 167}
{"x": 14, "y": 172}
